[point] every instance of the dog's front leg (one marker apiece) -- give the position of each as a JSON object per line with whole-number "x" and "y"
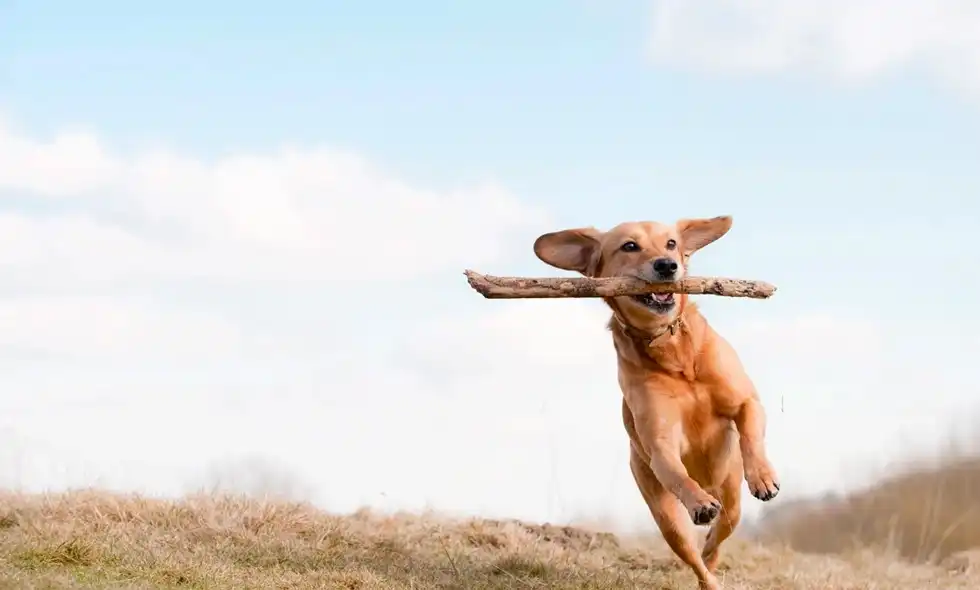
{"x": 656, "y": 424}
{"x": 759, "y": 472}
{"x": 737, "y": 399}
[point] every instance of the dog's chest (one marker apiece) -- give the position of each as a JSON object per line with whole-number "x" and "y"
{"x": 706, "y": 453}
{"x": 703, "y": 422}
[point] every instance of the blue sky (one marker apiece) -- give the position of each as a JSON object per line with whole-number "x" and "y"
{"x": 849, "y": 168}
{"x": 559, "y": 100}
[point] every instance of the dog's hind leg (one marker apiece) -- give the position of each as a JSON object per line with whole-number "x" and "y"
{"x": 730, "y": 494}
{"x": 673, "y": 521}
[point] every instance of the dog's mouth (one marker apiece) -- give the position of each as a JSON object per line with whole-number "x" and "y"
{"x": 659, "y": 302}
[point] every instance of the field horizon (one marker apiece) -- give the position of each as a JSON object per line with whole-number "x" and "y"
{"x": 918, "y": 529}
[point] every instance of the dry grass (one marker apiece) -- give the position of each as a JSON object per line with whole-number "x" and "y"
{"x": 98, "y": 540}
{"x": 923, "y": 515}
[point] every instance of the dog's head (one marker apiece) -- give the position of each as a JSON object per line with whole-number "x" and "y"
{"x": 646, "y": 250}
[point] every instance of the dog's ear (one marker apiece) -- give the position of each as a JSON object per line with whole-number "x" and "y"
{"x": 698, "y": 233}
{"x": 570, "y": 249}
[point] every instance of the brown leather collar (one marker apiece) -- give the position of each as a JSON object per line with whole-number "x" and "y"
{"x": 645, "y": 338}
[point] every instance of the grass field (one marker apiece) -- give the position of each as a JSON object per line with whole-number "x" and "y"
{"x": 913, "y": 532}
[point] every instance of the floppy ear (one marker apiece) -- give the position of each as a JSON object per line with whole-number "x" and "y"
{"x": 570, "y": 249}
{"x": 698, "y": 233}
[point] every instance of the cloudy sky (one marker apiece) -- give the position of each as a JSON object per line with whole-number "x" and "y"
{"x": 232, "y": 238}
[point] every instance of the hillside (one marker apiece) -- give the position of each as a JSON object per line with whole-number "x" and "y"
{"x": 924, "y": 514}
{"x": 98, "y": 540}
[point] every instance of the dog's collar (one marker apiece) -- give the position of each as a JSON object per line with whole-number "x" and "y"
{"x": 646, "y": 338}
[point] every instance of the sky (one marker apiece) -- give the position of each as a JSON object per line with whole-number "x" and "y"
{"x": 232, "y": 238}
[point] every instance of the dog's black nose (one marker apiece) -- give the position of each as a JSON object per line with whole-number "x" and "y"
{"x": 665, "y": 267}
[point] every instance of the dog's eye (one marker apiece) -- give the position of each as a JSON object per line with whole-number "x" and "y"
{"x": 630, "y": 247}
{"x": 671, "y": 244}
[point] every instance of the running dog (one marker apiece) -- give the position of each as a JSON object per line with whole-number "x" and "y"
{"x": 695, "y": 423}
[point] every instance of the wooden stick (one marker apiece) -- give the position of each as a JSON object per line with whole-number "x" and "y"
{"x": 493, "y": 287}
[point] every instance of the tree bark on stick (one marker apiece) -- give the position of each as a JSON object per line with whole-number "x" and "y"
{"x": 493, "y": 287}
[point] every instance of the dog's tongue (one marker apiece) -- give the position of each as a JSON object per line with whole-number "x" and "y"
{"x": 663, "y": 297}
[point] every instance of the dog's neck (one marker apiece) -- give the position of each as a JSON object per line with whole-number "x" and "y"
{"x": 647, "y": 338}
{"x": 672, "y": 347}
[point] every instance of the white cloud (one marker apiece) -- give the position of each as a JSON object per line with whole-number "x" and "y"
{"x": 297, "y": 213}
{"x": 107, "y": 327}
{"x": 74, "y": 162}
{"x": 843, "y": 39}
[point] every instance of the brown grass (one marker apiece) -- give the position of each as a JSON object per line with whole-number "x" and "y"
{"x": 98, "y": 540}
{"x": 925, "y": 514}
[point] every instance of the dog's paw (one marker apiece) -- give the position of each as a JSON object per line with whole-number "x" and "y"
{"x": 705, "y": 511}
{"x": 762, "y": 481}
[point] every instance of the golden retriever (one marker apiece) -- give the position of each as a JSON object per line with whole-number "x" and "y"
{"x": 695, "y": 423}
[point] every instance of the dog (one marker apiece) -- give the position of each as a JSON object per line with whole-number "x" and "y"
{"x": 695, "y": 422}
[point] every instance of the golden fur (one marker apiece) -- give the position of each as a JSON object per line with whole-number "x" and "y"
{"x": 695, "y": 423}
